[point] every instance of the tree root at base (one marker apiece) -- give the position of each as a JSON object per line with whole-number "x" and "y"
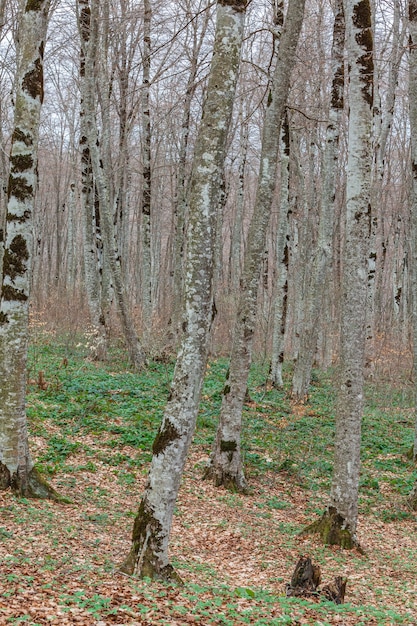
{"x": 332, "y": 530}
{"x": 231, "y": 482}
{"x": 148, "y": 570}
{"x": 32, "y": 486}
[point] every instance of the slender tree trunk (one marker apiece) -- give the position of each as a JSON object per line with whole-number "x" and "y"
{"x": 282, "y": 252}
{"x": 149, "y": 552}
{"x": 226, "y": 464}
{"x": 71, "y": 239}
{"x": 16, "y": 466}
{"x": 180, "y": 217}
{"x": 412, "y": 16}
{"x": 382, "y": 127}
{"x": 338, "y": 525}
{"x": 92, "y": 240}
{"x": 236, "y": 239}
{"x": 321, "y": 261}
{"x": 146, "y": 261}
{"x": 89, "y": 40}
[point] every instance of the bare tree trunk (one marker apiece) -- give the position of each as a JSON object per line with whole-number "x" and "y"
{"x": 149, "y": 552}
{"x": 323, "y": 255}
{"x": 382, "y": 126}
{"x": 180, "y": 203}
{"x": 236, "y": 239}
{"x": 146, "y": 261}
{"x": 282, "y": 252}
{"x": 16, "y": 466}
{"x": 412, "y": 15}
{"x": 339, "y": 523}
{"x": 92, "y": 240}
{"x": 88, "y": 31}
{"x": 226, "y": 464}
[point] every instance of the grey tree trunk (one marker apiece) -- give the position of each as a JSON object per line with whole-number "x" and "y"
{"x": 338, "y": 525}
{"x": 412, "y": 13}
{"x": 149, "y": 552}
{"x": 16, "y": 466}
{"x": 92, "y": 240}
{"x": 282, "y": 252}
{"x": 382, "y": 127}
{"x": 88, "y": 19}
{"x": 321, "y": 262}
{"x": 146, "y": 261}
{"x": 236, "y": 239}
{"x": 226, "y": 465}
{"x": 180, "y": 203}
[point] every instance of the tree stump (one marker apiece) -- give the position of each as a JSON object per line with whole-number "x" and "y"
{"x": 306, "y": 579}
{"x": 335, "y": 591}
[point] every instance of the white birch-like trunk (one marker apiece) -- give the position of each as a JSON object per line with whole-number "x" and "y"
{"x": 149, "y": 552}
{"x": 321, "y": 262}
{"x": 16, "y": 466}
{"x": 382, "y": 127}
{"x": 92, "y": 240}
{"x": 146, "y": 260}
{"x": 226, "y": 464}
{"x": 282, "y": 251}
{"x": 88, "y": 32}
{"x": 345, "y": 483}
{"x": 180, "y": 217}
{"x": 412, "y": 16}
{"x": 236, "y": 239}
{"x": 72, "y": 240}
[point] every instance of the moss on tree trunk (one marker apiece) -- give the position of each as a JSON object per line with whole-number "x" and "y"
{"x": 221, "y": 478}
{"x": 143, "y": 559}
{"x": 31, "y": 486}
{"x": 332, "y": 530}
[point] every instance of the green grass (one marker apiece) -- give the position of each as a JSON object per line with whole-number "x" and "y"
{"x": 84, "y": 398}
{"x": 123, "y": 408}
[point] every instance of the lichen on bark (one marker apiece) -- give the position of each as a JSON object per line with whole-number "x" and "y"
{"x": 16, "y": 467}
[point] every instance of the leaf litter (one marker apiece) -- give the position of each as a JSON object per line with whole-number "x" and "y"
{"x": 58, "y": 562}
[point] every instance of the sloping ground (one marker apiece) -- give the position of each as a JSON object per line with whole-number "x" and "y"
{"x": 235, "y": 554}
{"x": 92, "y": 429}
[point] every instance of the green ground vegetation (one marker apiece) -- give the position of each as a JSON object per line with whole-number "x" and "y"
{"x": 82, "y": 401}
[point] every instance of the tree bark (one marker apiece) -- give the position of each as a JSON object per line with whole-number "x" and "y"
{"x": 412, "y": 25}
{"x": 16, "y": 466}
{"x": 226, "y": 465}
{"x": 282, "y": 246}
{"x": 343, "y": 509}
{"x": 149, "y": 552}
{"x": 89, "y": 40}
{"x": 92, "y": 240}
{"x": 314, "y": 301}
{"x": 146, "y": 171}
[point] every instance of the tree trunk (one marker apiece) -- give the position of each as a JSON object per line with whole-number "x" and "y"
{"x": 314, "y": 302}
{"x": 16, "y": 466}
{"x": 149, "y": 552}
{"x": 92, "y": 240}
{"x": 282, "y": 245}
{"x": 146, "y": 172}
{"x": 343, "y": 509}
{"x": 180, "y": 208}
{"x": 89, "y": 40}
{"x": 226, "y": 465}
{"x": 412, "y": 15}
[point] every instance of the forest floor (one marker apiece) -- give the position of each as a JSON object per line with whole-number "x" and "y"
{"x": 91, "y": 432}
